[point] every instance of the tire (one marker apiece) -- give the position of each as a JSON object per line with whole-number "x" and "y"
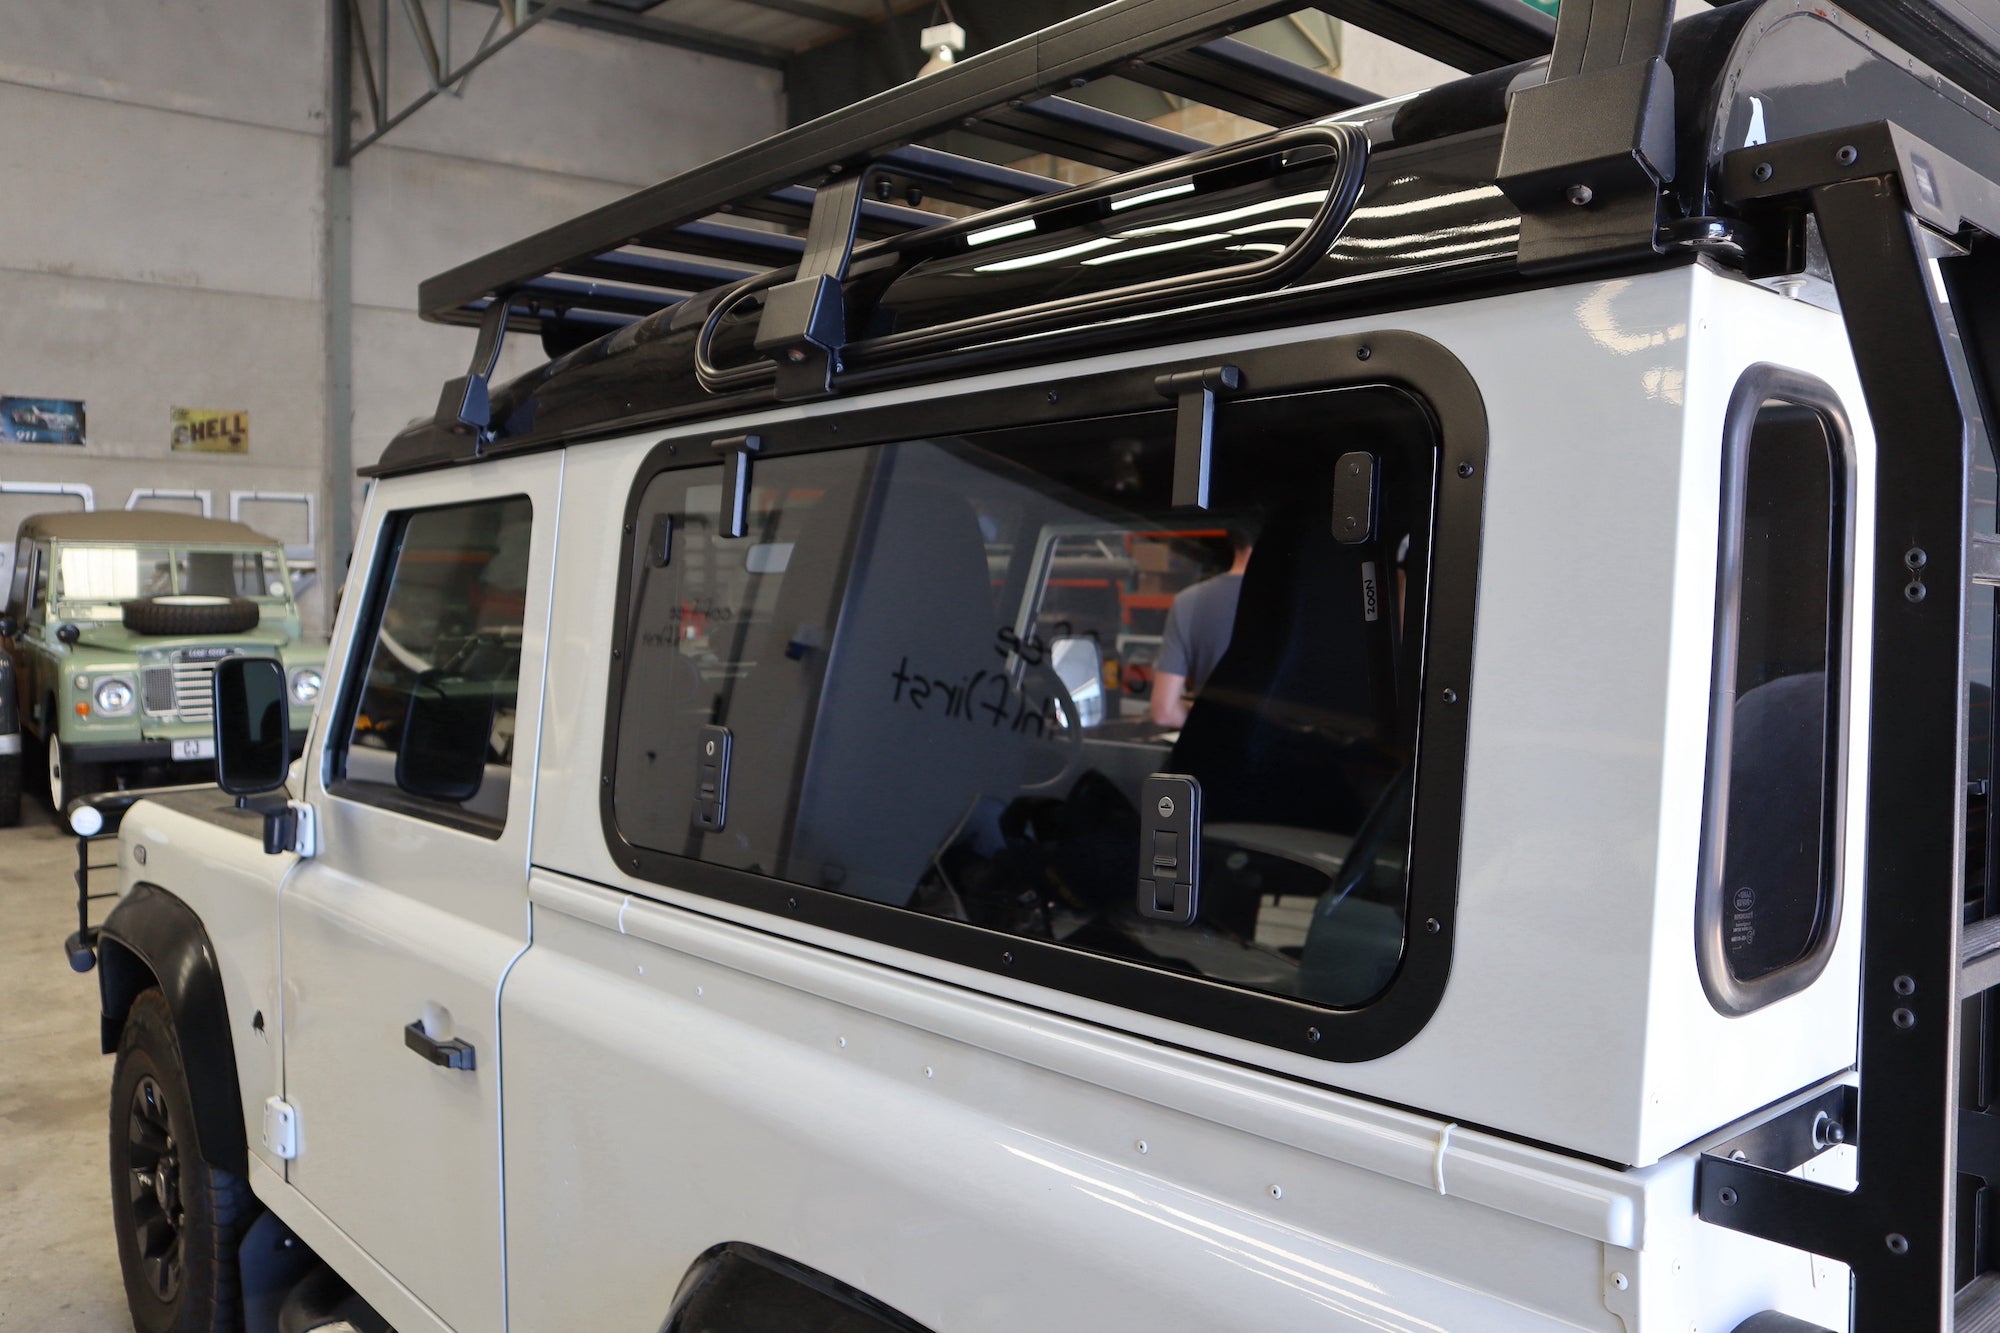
{"x": 190, "y": 615}
{"x": 179, "y": 1220}
{"x": 10, "y": 790}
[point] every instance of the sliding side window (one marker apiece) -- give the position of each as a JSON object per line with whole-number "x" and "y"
{"x": 924, "y": 683}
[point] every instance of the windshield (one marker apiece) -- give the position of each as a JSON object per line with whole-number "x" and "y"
{"x": 120, "y": 573}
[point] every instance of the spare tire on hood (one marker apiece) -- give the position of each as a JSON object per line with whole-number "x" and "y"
{"x": 188, "y": 615}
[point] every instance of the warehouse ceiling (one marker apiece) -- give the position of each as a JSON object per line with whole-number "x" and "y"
{"x": 402, "y": 54}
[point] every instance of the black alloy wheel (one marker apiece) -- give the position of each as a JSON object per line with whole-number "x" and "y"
{"x": 179, "y": 1219}
{"x": 153, "y": 1186}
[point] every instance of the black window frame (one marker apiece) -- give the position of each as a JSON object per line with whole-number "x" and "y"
{"x": 354, "y": 682}
{"x": 1439, "y": 384}
{"x": 1760, "y": 386}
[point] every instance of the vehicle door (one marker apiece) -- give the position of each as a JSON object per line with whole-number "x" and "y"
{"x": 396, "y": 936}
{"x": 31, "y": 664}
{"x": 18, "y": 582}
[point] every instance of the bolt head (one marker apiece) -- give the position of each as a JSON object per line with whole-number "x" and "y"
{"x": 1762, "y": 171}
{"x": 1580, "y": 195}
{"x": 1848, "y": 155}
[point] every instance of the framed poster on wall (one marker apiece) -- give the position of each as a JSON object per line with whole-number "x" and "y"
{"x": 41, "y": 420}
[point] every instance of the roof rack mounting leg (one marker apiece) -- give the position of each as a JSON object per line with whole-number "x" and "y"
{"x": 804, "y": 324}
{"x": 463, "y": 406}
{"x": 1587, "y": 151}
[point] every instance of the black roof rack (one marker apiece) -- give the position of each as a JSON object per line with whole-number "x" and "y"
{"x": 585, "y": 271}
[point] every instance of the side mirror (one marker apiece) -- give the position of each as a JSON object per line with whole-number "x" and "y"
{"x": 1080, "y": 666}
{"x": 446, "y": 734}
{"x": 253, "y": 741}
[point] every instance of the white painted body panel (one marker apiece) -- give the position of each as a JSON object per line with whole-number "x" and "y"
{"x": 682, "y": 1072}
{"x": 228, "y": 881}
{"x": 1574, "y": 1015}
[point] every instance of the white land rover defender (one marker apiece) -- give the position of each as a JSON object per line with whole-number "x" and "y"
{"x": 735, "y": 881}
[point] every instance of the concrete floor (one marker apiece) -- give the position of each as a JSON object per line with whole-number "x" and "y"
{"x": 58, "y": 1256}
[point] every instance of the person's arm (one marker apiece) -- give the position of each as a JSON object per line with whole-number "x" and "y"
{"x": 1168, "y": 705}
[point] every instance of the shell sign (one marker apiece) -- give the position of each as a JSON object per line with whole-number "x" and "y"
{"x": 205, "y": 432}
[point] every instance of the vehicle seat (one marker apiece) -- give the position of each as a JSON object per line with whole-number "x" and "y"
{"x": 1296, "y": 724}
{"x": 905, "y": 738}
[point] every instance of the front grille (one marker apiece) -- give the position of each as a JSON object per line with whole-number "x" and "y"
{"x": 182, "y": 692}
{"x": 158, "y": 686}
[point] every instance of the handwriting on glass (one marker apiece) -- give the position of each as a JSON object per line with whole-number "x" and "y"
{"x": 980, "y": 696}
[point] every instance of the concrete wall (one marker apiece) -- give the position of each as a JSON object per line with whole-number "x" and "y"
{"x": 163, "y": 240}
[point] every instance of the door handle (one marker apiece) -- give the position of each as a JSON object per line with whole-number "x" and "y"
{"x": 453, "y": 1054}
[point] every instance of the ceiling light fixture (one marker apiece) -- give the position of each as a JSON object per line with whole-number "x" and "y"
{"x": 943, "y": 42}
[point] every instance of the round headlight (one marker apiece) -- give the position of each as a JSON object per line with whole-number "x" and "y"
{"x": 114, "y": 697}
{"x": 306, "y": 684}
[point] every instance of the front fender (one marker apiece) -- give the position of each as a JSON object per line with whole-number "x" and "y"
{"x": 153, "y": 938}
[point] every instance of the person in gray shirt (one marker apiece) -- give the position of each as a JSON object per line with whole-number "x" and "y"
{"x": 1197, "y": 634}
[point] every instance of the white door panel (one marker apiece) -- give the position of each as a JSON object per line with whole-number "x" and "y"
{"x": 416, "y": 906}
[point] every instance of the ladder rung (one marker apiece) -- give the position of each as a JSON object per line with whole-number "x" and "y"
{"x": 1235, "y": 76}
{"x": 964, "y": 179}
{"x": 1979, "y": 957}
{"x": 794, "y": 203}
{"x": 728, "y": 241}
{"x": 676, "y": 275}
{"x": 565, "y": 293}
{"x": 1977, "y": 1309}
{"x": 1085, "y": 133}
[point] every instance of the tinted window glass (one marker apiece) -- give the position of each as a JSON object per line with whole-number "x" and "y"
{"x": 1773, "y": 764}
{"x": 431, "y": 729}
{"x": 933, "y": 662}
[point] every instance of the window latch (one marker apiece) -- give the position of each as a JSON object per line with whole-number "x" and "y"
{"x": 1195, "y": 392}
{"x": 1355, "y": 491}
{"x": 1170, "y": 848}
{"x": 736, "y": 452}
{"x": 711, "y": 778}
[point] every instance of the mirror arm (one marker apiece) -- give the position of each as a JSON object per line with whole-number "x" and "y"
{"x": 288, "y": 824}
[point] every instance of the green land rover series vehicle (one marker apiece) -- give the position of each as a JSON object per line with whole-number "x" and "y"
{"x": 115, "y": 622}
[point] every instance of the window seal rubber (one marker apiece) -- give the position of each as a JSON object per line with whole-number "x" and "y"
{"x": 1440, "y": 385}
{"x": 1759, "y": 385}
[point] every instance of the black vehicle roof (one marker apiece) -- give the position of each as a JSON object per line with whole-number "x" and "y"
{"x": 1429, "y": 220}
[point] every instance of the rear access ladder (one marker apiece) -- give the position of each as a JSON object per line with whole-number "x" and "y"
{"x": 1913, "y": 239}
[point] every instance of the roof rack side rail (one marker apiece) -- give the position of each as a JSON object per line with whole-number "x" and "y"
{"x": 802, "y": 326}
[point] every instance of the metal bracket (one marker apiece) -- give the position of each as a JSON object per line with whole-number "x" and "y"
{"x": 804, "y": 324}
{"x": 1586, "y": 151}
{"x": 1943, "y": 192}
{"x": 463, "y": 407}
{"x": 1194, "y": 428}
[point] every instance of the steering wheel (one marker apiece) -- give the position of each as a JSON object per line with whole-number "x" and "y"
{"x": 1073, "y": 755}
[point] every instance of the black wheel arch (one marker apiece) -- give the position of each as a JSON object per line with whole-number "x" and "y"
{"x": 152, "y": 938}
{"x": 739, "y": 1285}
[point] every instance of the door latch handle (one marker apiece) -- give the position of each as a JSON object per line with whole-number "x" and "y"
{"x": 453, "y": 1054}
